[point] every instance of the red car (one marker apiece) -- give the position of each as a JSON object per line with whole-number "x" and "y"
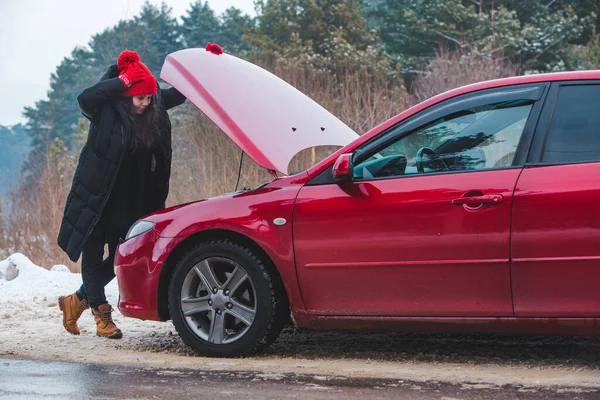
{"x": 477, "y": 210}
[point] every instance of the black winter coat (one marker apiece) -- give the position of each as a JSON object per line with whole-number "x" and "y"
{"x": 101, "y": 156}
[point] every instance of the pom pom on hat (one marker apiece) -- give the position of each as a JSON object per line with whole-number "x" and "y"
{"x": 126, "y": 58}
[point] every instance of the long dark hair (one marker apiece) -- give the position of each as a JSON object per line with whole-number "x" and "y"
{"x": 144, "y": 128}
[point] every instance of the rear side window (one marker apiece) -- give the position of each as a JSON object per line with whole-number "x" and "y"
{"x": 574, "y": 134}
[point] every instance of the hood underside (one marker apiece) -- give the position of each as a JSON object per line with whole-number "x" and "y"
{"x": 270, "y": 120}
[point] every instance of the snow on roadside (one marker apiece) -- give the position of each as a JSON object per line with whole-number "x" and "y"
{"x": 36, "y": 288}
{"x": 29, "y": 306}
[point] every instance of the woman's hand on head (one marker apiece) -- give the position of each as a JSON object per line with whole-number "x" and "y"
{"x": 130, "y": 78}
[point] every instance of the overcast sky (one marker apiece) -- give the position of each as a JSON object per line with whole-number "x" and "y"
{"x": 35, "y": 35}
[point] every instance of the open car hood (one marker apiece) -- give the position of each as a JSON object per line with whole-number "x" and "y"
{"x": 270, "y": 120}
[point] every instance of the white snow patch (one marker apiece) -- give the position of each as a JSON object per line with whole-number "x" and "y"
{"x": 271, "y": 376}
{"x": 36, "y": 286}
{"x": 29, "y": 305}
{"x": 8, "y": 270}
{"x": 314, "y": 386}
{"x": 60, "y": 268}
{"x": 173, "y": 373}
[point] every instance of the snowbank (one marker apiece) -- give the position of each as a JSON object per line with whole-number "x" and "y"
{"x": 31, "y": 321}
{"x": 35, "y": 286}
{"x": 29, "y": 309}
{"x": 33, "y": 292}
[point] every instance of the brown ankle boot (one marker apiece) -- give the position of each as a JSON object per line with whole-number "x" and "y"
{"x": 72, "y": 308}
{"x": 104, "y": 323}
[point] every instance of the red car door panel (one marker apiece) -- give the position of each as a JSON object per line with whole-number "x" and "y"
{"x": 556, "y": 218}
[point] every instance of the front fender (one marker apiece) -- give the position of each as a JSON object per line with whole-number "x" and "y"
{"x": 250, "y": 214}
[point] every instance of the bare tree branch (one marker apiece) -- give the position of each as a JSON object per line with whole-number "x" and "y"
{"x": 479, "y": 4}
{"x": 450, "y": 38}
{"x": 549, "y": 46}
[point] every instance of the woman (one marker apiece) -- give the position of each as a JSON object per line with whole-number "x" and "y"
{"x": 122, "y": 174}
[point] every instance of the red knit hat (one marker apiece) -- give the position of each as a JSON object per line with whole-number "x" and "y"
{"x": 129, "y": 63}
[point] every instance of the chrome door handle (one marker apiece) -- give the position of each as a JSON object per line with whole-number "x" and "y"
{"x": 474, "y": 201}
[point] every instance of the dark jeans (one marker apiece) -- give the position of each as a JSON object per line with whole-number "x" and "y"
{"x": 96, "y": 271}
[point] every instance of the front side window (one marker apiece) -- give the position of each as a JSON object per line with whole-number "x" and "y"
{"x": 483, "y": 137}
{"x": 574, "y": 134}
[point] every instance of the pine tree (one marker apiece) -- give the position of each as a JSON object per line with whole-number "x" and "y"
{"x": 157, "y": 34}
{"x": 153, "y": 34}
{"x": 14, "y": 149}
{"x": 326, "y": 34}
{"x": 586, "y": 57}
{"x": 316, "y": 23}
{"x": 533, "y": 33}
{"x": 231, "y": 31}
{"x": 200, "y": 25}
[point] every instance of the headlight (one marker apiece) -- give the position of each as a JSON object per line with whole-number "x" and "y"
{"x": 138, "y": 228}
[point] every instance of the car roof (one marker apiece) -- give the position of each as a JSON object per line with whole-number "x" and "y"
{"x": 496, "y": 83}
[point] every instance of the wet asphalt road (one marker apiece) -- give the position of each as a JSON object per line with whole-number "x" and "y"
{"x": 27, "y": 379}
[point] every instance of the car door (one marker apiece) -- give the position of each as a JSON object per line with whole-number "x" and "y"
{"x": 556, "y": 219}
{"x": 420, "y": 232}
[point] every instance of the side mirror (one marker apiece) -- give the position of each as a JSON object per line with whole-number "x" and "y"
{"x": 343, "y": 169}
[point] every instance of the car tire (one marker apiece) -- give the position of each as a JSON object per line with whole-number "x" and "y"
{"x": 229, "y": 320}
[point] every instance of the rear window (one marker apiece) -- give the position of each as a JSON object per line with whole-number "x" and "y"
{"x": 574, "y": 134}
